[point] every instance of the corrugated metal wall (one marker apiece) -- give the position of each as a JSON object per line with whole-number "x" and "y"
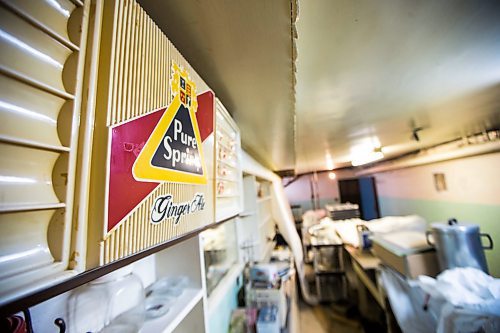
{"x": 140, "y": 63}
{"x": 42, "y": 77}
{"x": 40, "y": 62}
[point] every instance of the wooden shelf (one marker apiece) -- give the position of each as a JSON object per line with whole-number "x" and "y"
{"x": 365, "y": 259}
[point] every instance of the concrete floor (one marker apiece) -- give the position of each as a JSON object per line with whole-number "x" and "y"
{"x": 309, "y": 323}
{"x": 327, "y": 319}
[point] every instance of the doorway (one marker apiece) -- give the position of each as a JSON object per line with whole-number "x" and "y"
{"x": 361, "y": 191}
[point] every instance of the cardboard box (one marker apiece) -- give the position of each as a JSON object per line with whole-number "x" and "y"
{"x": 272, "y": 297}
{"x": 268, "y": 320}
{"x": 410, "y": 265}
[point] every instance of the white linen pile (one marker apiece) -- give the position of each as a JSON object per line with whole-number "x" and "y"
{"x": 347, "y": 229}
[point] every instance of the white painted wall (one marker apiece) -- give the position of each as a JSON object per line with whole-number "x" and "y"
{"x": 472, "y": 196}
{"x": 471, "y": 180}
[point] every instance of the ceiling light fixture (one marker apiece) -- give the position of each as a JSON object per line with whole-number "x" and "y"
{"x": 329, "y": 162}
{"x": 367, "y": 158}
{"x": 367, "y": 151}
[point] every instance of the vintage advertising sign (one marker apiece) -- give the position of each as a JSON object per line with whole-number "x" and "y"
{"x": 173, "y": 151}
{"x": 163, "y": 146}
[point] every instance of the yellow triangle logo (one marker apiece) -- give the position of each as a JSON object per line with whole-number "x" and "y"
{"x": 173, "y": 152}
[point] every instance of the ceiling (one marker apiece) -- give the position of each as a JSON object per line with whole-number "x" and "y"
{"x": 367, "y": 72}
{"x": 243, "y": 51}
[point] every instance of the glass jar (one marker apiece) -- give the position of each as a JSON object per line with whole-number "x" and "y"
{"x": 112, "y": 302}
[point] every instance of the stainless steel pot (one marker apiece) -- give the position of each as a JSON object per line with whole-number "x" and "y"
{"x": 459, "y": 245}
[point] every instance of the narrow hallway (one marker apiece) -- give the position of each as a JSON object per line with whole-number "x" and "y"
{"x": 327, "y": 318}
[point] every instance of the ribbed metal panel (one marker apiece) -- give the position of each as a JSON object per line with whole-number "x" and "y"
{"x": 30, "y": 52}
{"x": 39, "y": 107}
{"x": 136, "y": 232}
{"x": 36, "y": 110}
{"x": 26, "y": 181}
{"x": 140, "y": 65}
{"x": 49, "y": 16}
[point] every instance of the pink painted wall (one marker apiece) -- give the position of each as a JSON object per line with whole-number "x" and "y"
{"x": 299, "y": 192}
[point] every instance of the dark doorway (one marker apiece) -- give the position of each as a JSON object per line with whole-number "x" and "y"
{"x": 349, "y": 191}
{"x": 361, "y": 191}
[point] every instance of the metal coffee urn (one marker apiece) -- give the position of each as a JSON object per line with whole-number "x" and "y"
{"x": 459, "y": 245}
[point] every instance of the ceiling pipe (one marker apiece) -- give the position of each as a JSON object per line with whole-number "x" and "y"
{"x": 429, "y": 158}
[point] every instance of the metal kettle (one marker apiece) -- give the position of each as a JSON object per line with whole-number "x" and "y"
{"x": 459, "y": 245}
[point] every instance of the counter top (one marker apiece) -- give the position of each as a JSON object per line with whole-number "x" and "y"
{"x": 365, "y": 259}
